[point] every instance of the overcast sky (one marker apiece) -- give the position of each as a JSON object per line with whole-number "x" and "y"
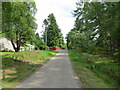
{"x": 61, "y": 9}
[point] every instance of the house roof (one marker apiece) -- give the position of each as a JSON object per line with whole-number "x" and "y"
{"x": 29, "y": 45}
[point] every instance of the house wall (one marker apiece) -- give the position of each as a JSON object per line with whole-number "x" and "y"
{"x": 5, "y": 44}
{"x": 29, "y": 48}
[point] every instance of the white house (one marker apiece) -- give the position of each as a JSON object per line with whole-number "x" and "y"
{"x": 5, "y": 45}
{"x": 28, "y": 47}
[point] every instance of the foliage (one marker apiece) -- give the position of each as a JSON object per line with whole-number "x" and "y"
{"x": 37, "y": 41}
{"x": 77, "y": 39}
{"x": 96, "y": 32}
{"x": 18, "y": 22}
{"x": 104, "y": 68}
{"x": 52, "y": 34}
{"x": 96, "y": 26}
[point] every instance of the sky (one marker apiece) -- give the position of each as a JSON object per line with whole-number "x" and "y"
{"x": 62, "y": 10}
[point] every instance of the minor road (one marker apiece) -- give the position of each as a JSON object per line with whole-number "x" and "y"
{"x": 57, "y": 73}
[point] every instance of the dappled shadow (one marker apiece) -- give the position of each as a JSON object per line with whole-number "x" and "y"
{"x": 22, "y": 61}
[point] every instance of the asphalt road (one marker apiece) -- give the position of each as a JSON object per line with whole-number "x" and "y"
{"x": 57, "y": 73}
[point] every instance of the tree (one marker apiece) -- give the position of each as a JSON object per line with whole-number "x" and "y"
{"x": 97, "y": 23}
{"x": 38, "y": 42}
{"x": 52, "y": 35}
{"x": 18, "y": 22}
{"x": 45, "y": 33}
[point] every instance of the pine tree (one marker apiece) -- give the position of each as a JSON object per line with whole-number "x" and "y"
{"x": 52, "y": 35}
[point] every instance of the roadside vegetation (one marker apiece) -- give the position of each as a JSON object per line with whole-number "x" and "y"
{"x": 19, "y": 27}
{"x": 95, "y": 71}
{"x": 95, "y": 43}
{"x": 17, "y": 66}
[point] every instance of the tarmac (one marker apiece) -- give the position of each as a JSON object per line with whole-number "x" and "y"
{"x": 57, "y": 73}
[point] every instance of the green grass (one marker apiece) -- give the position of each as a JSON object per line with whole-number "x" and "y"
{"x": 16, "y": 68}
{"x": 95, "y": 71}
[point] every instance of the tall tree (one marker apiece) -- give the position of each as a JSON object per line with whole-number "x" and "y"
{"x": 45, "y": 33}
{"x": 18, "y": 22}
{"x": 52, "y": 34}
{"x": 99, "y": 24}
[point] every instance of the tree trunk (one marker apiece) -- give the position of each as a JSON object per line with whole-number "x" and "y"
{"x": 18, "y": 46}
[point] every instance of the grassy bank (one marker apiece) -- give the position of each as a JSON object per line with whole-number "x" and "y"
{"x": 95, "y": 71}
{"x": 17, "y": 66}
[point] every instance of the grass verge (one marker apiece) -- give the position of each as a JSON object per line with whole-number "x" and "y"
{"x": 95, "y": 71}
{"x": 17, "y": 66}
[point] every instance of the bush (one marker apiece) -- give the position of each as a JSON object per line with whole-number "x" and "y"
{"x": 44, "y": 47}
{"x": 36, "y": 48}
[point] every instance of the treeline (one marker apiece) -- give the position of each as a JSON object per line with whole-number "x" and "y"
{"x": 96, "y": 28}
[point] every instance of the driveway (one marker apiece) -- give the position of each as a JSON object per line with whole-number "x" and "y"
{"x": 57, "y": 73}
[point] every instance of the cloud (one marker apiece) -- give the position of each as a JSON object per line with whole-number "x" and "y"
{"x": 62, "y": 11}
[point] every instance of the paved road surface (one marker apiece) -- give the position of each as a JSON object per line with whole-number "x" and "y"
{"x": 57, "y": 73}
